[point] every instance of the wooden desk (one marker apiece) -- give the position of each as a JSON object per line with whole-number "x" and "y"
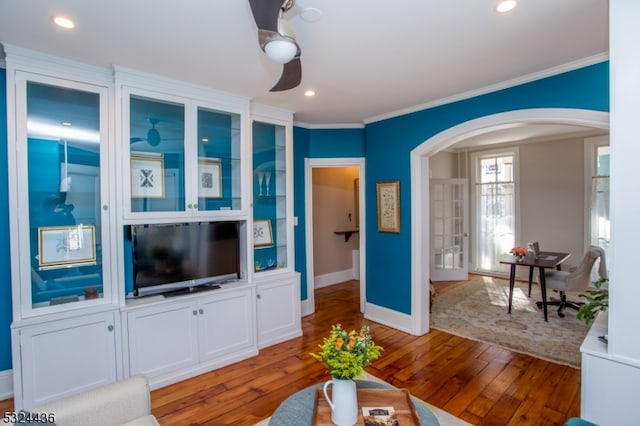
{"x": 544, "y": 260}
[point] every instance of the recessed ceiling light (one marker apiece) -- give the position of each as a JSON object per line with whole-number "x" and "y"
{"x": 63, "y": 22}
{"x": 310, "y": 93}
{"x": 66, "y": 123}
{"x": 204, "y": 140}
{"x": 506, "y": 5}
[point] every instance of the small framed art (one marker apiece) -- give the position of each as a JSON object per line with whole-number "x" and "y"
{"x": 388, "y": 194}
{"x": 62, "y": 246}
{"x": 147, "y": 175}
{"x": 262, "y": 234}
{"x": 209, "y": 178}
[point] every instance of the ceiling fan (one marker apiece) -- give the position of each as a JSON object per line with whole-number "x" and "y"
{"x": 153, "y": 135}
{"x": 277, "y": 40}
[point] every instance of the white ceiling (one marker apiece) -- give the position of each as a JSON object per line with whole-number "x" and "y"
{"x": 366, "y": 59}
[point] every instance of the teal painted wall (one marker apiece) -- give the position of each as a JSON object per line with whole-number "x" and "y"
{"x": 5, "y": 268}
{"x": 388, "y": 146}
{"x": 316, "y": 143}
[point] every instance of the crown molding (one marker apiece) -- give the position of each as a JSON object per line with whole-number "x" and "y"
{"x": 571, "y": 66}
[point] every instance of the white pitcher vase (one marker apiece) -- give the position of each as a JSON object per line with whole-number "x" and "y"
{"x": 344, "y": 402}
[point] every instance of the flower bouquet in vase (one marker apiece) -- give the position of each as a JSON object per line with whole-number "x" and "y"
{"x": 345, "y": 354}
{"x": 519, "y": 253}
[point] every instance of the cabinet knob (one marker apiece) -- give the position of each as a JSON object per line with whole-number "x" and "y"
{"x": 201, "y": 311}
{"x": 257, "y": 296}
{"x": 195, "y": 312}
{"x": 105, "y": 207}
{"x": 110, "y": 327}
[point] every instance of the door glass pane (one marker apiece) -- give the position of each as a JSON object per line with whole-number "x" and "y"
{"x": 156, "y": 131}
{"x": 218, "y": 160}
{"x": 448, "y": 225}
{"x": 269, "y": 197}
{"x": 63, "y": 161}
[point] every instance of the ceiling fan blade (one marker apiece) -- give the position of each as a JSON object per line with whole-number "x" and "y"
{"x": 265, "y": 13}
{"x": 291, "y": 76}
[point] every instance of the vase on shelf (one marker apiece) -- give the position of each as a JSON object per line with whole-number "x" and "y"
{"x": 519, "y": 258}
{"x": 343, "y": 401}
{"x": 260, "y": 179}
{"x": 267, "y": 179}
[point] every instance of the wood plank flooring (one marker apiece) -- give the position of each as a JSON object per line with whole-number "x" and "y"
{"x": 478, "y": 382}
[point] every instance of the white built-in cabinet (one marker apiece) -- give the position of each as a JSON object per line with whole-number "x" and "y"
{"x": 66, "y": 334}
{"x": 76, "y": 135}
{"x": 278, "y": 301}
{"x": 63, "y": 357}
{"x": 169, "y": 341}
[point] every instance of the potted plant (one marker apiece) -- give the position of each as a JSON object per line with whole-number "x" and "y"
{"x": 597, "y": 301}
{"x": 345, "y": 354}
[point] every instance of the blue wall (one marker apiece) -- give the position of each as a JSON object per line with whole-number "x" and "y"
{"x": 5, "y": 268}
{"x": 388, "y": 146}
{"x": 316, "y": 143}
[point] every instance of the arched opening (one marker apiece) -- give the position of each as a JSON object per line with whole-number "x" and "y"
{"x": 420, "y": 244}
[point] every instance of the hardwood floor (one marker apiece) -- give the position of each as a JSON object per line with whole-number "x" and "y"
{"x": 480, "y": 383}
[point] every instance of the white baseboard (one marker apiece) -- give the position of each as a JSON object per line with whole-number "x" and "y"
{"x": 306, "y": 308}
{"x": 389, "y": 317}
{"x": 6, "y": 384}
{"x": 326, "y": 280}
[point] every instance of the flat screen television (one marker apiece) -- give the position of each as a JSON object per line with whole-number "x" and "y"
{"x": 184, "y": 257}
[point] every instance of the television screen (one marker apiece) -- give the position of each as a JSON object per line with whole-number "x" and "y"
{"x": 169, "y": 257}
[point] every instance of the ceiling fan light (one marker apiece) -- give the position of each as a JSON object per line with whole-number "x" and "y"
{"x": 281, "y": 50}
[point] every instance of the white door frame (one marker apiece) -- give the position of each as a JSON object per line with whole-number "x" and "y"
{"x": 308, "y": 306}
{"x": 420, "y": 247}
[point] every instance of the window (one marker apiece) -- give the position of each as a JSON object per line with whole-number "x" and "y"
{"x": 597, "y": 192}
{"x": 494, "y": 208}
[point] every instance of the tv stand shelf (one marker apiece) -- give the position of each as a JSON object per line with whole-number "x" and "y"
{"x": 191, "y": 290}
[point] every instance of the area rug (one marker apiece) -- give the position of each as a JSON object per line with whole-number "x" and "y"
{"x": 477, "y": 310}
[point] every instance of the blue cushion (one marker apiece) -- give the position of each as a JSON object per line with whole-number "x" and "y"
{"x": 575, "y": 421}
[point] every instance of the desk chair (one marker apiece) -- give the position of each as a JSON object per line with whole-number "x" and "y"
{"x": 577, "y": 280}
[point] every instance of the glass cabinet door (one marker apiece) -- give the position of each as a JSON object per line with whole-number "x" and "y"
{"x": 218, "y": 184}
{"x": 64, "y": 136}
{"x": 157, "y": 155}
{"x": 184, "y": 158}
{"x": 269, "y": 197}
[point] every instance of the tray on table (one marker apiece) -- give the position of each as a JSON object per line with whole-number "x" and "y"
{"x": 399, "y": 399}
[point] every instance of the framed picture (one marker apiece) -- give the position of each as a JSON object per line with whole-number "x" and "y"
{"x": 147, "y": 175}
{"x": 262, "y": 235}
{"x": 388, "y": 206}
{"x": 62, "y": 246}
{"x": 209, "y": 178}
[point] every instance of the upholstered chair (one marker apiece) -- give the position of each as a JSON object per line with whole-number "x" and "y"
{"x": 577, "y": 280}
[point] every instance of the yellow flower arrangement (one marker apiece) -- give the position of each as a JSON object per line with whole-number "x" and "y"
{"x": 345, "y": 354}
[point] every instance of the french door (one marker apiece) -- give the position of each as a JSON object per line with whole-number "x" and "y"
{"x": 449, "y": 229}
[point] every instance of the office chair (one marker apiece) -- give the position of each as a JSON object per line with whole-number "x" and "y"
{"x": 577, "y": 280}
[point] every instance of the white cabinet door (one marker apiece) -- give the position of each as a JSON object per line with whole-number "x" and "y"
{"x": 279, "y": 310}
{"x": 163, "y": 339}
{"x": 66, "y": 357}
{"x": 226, "y": 324}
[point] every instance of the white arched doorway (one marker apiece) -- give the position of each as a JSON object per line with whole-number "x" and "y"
{"x": 420, "y": 184}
